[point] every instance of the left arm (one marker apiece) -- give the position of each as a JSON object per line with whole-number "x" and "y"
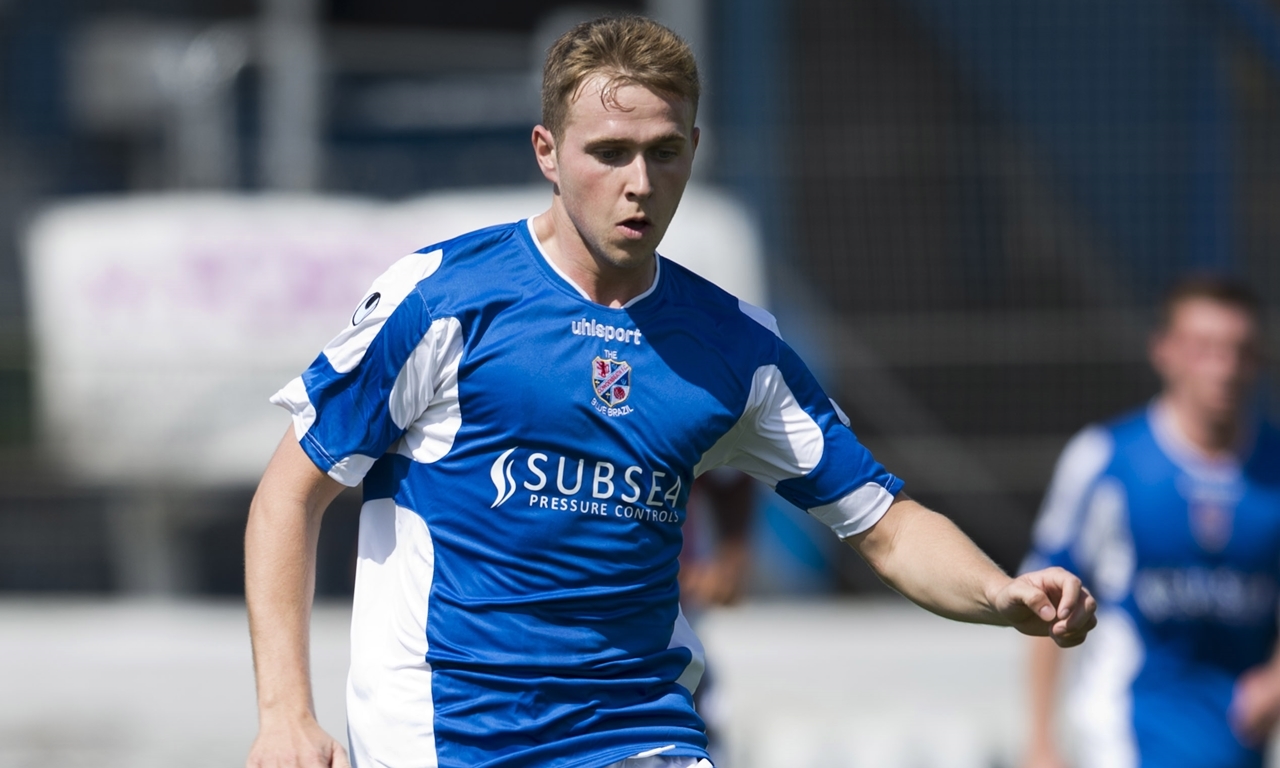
{"x": 928, "y": 559}
{"x": 1255, "y": 703}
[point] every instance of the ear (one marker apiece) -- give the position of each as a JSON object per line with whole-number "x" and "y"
{"x": 697, "y": 134}
{"x": 544, "y": 150}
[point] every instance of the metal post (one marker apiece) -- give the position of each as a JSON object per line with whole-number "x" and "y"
{"x": 291, "y": 94}
{"x": 688, "y": 18}
{"x": 201, "y": 132}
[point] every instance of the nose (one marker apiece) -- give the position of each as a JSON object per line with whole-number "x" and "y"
{"x": 639, "y": 185}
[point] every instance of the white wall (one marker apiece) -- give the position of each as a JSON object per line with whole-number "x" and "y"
{"x": 163, "y": 323}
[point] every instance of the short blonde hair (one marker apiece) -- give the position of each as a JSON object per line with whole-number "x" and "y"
{"x": 628, "y": 50}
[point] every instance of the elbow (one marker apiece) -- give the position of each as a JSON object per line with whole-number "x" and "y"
{"x": 881, "y": 544}
{"x": 876, "y": 547}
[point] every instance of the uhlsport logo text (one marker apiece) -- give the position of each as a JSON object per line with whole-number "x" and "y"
{"x": 585, "y": 327}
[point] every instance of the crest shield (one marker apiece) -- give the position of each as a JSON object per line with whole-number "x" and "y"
{"x": 611, "y": 380}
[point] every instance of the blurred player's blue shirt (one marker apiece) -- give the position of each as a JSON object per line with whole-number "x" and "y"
{"x": 526, "y": 456}
{"x": 1183, "y": 555}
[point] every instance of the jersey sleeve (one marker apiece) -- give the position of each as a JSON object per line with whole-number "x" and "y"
{"x": 376, "y": 378}
{"x": 1059, "y": 525}
{"x": 794, "y": 438}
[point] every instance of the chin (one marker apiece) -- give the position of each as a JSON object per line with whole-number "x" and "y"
{"x": 1223, "y": 412}
{"x": 632, "y": 257}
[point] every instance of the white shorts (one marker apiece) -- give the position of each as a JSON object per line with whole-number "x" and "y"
{"x": 658, "y": 761}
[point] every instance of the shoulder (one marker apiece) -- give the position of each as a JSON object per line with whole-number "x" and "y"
{"x": 429, "y": 282}
{"x": 462, "y": 270}
{"x": 725, "y": 313}
{"x": 1097, "y": 444}
{"x": 1131, "y": 426}
{"x": 1266, "y": 452}
{"x": 1084, "y": 460}
{"x": 1118, "y": 440}
{"x": 480, "y": 248}
{"x": 1086, "y": 455}
{"x": 456, "y": 252}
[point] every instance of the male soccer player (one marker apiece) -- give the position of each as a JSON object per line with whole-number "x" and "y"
{"x": 1171, "y": 515}
{"x": 527, "y": 406}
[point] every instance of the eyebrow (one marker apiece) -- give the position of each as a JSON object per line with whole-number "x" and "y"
{"x": 670, "y": 138}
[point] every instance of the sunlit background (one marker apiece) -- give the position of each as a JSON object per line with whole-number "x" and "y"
{"x": 961, "y": 211}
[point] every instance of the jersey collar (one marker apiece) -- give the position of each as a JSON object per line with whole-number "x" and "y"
{"x": 1188, "y": 457}
{"x": 657, "y": 272}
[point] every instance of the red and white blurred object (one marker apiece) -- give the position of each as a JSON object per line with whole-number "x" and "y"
{"x": 162, "y": 324}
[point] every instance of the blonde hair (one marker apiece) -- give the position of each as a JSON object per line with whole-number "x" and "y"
{"x": 628, "y": 50}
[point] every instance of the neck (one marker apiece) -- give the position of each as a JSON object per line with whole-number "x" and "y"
{"x": 1213, "y": 436}
{"x": 602, "y": 281}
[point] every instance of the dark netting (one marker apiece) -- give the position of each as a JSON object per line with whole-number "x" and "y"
{"x": 983, "y": 201}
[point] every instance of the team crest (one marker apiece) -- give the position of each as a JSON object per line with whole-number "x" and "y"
{"x": 1211, "y": 524}
{"x": 1211, "y": 511}
{"x": 611, "y": 380}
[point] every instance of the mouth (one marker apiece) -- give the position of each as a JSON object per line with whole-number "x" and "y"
{"x": 635, "y": 227}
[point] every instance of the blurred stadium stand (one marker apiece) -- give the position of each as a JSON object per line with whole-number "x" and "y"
{"x": 967, "y": 207}
{"x": 986, "y": 198}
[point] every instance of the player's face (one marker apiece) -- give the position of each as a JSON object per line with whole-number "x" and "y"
{"x": 620, "y": 168}
{"x": 1209, "y": 357}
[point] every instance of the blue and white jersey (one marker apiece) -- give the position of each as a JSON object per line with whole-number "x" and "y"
{"x": 1183, "y": 556}
{"x": 526, "y": 457}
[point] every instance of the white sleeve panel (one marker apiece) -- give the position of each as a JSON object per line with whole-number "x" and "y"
{"x": 1082, "y": 461}
{"x": 682, "y": 636}
{"x": 1104, "y": 547}
{"x": 760, "y": 316}
{"x": 294, "y": 399}
{"x": 856, "y": 512}
{"x": 774, "y": 439}
{"x": 840, "y": 414}
{"x": 424, "y": 400}
{"x": 351, "y": 470}
{"x": 387, "y": 292}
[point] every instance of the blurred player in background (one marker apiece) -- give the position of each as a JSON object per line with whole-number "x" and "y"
{"x": 716, "y": 558}
{"x": 1171, "y": 515}
{"x": 715, "y": 563}
{"x": 527, "y": 406}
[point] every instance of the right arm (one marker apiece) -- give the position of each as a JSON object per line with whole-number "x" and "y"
{"x": 280, "y": 569}
{"x": 1045, "y": 665}
{"x": 353, "y": 410}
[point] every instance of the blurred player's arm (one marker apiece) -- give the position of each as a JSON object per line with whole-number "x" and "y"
{"x": 928, "y": 559}
{"x": 1255, "y": 705}
{"x": 730, "y": 497}
{"x": 1043, "y": 675}
{"x": 280, "y": 574}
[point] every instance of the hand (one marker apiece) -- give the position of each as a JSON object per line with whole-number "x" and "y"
{"x": 1255, "y": 704}
{"x": 1051, "y": 603}
{"x": 300, "y": 743}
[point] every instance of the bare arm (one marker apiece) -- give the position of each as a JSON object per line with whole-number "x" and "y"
{"x": 1045, "y": 665}
{"x": 280, "y": 573}
{"x": 928, "y": 559}
{"x": 1255, "y": 704}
